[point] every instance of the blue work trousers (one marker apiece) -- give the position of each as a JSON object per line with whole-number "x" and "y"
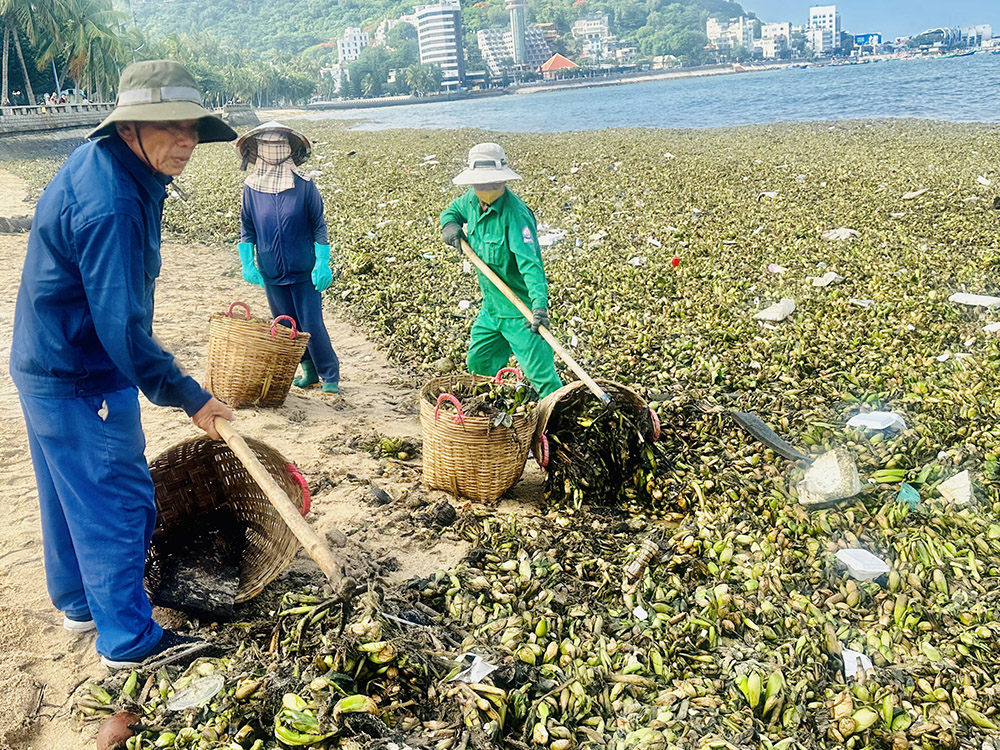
{"x": 305, "y": 306}
{"x": 97, "y": 514}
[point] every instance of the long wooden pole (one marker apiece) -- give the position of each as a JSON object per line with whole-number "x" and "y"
{"x": 545, "y": 332}
{"x": 310, "y": 540}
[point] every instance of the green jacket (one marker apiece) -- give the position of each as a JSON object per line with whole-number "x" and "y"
{"x": 505, "y": 236}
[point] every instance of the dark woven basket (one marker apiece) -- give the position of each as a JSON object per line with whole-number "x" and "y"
{"x": 201, "y": 475}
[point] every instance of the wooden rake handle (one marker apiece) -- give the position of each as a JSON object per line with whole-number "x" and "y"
{"x": 343, "y": 586}
{"x": 546, "y": 334}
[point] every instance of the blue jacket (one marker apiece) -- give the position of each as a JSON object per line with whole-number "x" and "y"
{"x": 284, "y": 226}
{"x": 84, "y": 314}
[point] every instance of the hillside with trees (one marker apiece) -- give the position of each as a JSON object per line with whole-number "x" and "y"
{"x": 293, "y": 27}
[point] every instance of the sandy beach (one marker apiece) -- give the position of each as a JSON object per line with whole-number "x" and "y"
{"x": 41, "y": 665}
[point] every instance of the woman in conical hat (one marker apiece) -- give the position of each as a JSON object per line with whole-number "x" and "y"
{"x": 283, "y": 241}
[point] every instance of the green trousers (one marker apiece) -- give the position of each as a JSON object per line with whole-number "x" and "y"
{"x": 495, "y": 339}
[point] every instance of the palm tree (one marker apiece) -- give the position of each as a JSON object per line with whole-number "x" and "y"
{"x": 85, "y": 42}
{"x": 30, "y": 17}
{"x": 368, "y": 84}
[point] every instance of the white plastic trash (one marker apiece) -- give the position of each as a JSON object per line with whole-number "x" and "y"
{"x": 974, "y": 300}
{"x": 862, "y": 302}
{"x": 991, "y": 327}
{"x": 861, "y": 564}
{"x": 877, "y": 420}
{"x": 840, "y": 234}
{"x": 778, "y": 311}
{"x": 830, "y": 277}
{"x": 198, "y": 692}
{"x": 914, "y": 194}
{"x": 957, "y": 489}
{"x": 851, "y": 660}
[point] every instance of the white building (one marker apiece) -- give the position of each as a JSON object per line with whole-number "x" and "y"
{"x": 382, "y": 30}
{"x": 772, "y": 49}
{"x": 350, "y": 45}
{"x": 820, "y": 41}
{"x": 826, "y": 18}
{"x": 497, "y": 48}
{"x": 776, "y": 30}
{"x": 439, "y": 32}
{"x": 974, "y": 36}
{"x": 726, "y": 35}
{"x": 591, "y": 26}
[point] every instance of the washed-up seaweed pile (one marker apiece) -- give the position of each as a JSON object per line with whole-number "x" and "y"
{"x": 599, "y": 453}
{"x": 496, "y": 401}
{"x": 727, "y": 629}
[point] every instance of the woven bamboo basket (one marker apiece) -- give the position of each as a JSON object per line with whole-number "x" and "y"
{"x": 251, "y": 362}
{"x": 468, "y": 455}
{"x": 550, "y": 405}
{"x": 201, "y": 475}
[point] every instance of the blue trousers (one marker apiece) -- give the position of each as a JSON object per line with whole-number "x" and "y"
{"x": 97, "y": 514}
{"x": 305, "y": 306}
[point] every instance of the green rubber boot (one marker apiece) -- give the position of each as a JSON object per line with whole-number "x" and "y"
{"x": 331, "y": 387}
{"x": 309, "y": 377}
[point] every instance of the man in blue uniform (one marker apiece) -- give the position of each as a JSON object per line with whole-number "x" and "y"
{"x": 83, "y": 348}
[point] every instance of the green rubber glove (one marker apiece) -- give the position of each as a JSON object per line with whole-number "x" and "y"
{"x": 322, "y": 276}
{"x": 250, "y": 272}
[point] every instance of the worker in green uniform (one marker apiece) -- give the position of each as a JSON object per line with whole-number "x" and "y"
{"x": 502, "y": 232}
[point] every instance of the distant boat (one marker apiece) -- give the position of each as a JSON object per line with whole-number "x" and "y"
{"x": 961, "y": 54}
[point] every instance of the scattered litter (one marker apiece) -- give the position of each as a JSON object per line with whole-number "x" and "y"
{"x": 970, "y": 199}
{"x": 638, "y": 260}
{"x": 909, "y": 495}
{"x": 800, "y": 178}
{"x": 654, "y": 242}
{"x": 898, "y": 215}
{"x": 466, "y": 267}
{"x": 991, "y": 327}
{"x": 862, "y": 302}
{"x": 640, "y": 614}
{"x": 668, "y": 155}
{"x": 775, "y": 268}
{"x": 914, "y": 194}
{"x": 464, "y": 304}
{"x": 852, "y": 660}
{"x": 551, "y": 237}
{"x": 574, "y": 170}
{"x": 778, "y": 311}
{"x": 830, "y": 277}
{"x": 984, "y": 180}
{"x": 478, "y": 669}
{"x": 757, "y": 231}
{"x": 768, "y": 194}
{"x": 574, "y": 341}
{"x": 598, "y": 236}
{"x": 957, "y": 489}
{"x": 198, "y": 692}
{"x": 878, "y": 420}
{"x": 841, "y": 233}
{"x": 861, "y": 564}
{"x": 974, "y": 300}
{"x": 833, "y": 476}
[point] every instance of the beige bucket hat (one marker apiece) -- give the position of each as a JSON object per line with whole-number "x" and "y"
{"x": 162, "y": 91}
{"x": 487, "y": 164}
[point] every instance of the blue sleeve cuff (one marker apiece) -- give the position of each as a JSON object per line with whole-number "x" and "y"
{"x": 193, "y": 396}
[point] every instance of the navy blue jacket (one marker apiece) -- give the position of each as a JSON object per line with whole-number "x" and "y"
{"x": 284, "y": 226}
{"x": 84, "y": 315}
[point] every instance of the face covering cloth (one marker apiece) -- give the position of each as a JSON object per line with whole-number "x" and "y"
{"x": 273, "y": 170}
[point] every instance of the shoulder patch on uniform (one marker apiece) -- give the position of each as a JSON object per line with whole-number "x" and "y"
{"x": 529, "y": 239}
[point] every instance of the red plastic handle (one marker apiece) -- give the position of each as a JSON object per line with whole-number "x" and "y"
{"x": 306, "y": 497}
{"x": 458, "y": 418}
{"x": 244, "y": 305}
{"x": 274, "y": 326}
{"x": 543, "y": 446}
{"x": 656, "y": 425}
{"x": 507, "y": 370}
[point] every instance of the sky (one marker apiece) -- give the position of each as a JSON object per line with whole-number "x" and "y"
{"x": 891, "y": 18}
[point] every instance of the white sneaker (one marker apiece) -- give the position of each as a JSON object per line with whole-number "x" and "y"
{"x": 79, "y": 626}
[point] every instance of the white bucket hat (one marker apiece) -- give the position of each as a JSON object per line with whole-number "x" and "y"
{"x": 487, "y": 164}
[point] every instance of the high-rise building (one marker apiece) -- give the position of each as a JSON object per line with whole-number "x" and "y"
{"x": 439, "y": 32}
{"x": 826, "y": 18}
{"x": 497, "y": 48}
{"x": 350, "y": 45}
{"x": 516, "y": 8}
